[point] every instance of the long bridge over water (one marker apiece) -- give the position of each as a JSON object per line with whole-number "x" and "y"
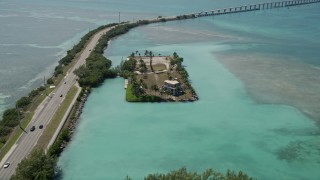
{"x": 253, "y": 7}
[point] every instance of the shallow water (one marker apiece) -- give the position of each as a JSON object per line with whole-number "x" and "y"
{"x": 224, "y": 129}
{"x": 35, "y": 34}
{"x": 227, "y": 128}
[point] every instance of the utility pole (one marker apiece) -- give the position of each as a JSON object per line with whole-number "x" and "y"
{"x": 44, "y": 84}
{"x": 119, "y": 17}
{"x": 18, "y": 111}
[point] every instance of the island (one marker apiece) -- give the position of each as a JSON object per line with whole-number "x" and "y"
{"x": 151, "y": 78}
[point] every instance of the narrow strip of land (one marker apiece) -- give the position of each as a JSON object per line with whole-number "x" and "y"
{"x": 45, "y": 112}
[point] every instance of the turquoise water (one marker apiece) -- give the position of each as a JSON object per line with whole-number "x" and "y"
{"x": 225, "y": 129}
{"x": 35, "y": 34}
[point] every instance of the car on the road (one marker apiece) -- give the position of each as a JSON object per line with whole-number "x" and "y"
{"x": 61, "y": 95}
{"x": 6, "y": 165}
{"x": 41, "y": 126}
{"x": 32, "y": 128}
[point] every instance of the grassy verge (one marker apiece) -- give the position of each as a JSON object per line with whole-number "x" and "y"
{"x": 55, "y": 121}
{"x": 130, "y": 97}
{"x": 36, "y": 101}
{"x": 15, "y": 135}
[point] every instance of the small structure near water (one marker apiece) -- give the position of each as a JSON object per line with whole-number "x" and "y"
{"x": 156, "y": 78}
{"x": 172, "y": 87}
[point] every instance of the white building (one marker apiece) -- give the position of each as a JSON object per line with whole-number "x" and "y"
{"x": 173, "y": 87}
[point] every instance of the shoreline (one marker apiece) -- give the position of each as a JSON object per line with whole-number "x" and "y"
{"x": 79, "y": 109}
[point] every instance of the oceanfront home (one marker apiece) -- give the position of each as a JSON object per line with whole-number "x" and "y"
{"x": 172, "y": 87}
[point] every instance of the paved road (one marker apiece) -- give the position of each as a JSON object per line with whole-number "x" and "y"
{"x": 44, "y": 114}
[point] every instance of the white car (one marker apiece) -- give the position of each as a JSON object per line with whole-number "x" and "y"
{"x": 6, "y": 165}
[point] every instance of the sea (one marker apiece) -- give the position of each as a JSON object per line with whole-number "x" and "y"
{"x": 256, "y": 74}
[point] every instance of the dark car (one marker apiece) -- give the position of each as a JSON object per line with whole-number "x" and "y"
{"x": 61, "y": 95}
{"x": 41, "y": 126}
{"x": 32, "y": 128}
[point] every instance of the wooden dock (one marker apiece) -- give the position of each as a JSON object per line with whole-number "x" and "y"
{"x": 126, "y": 83}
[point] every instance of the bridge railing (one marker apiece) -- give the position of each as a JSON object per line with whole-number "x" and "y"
{"x": 254, "y": 7}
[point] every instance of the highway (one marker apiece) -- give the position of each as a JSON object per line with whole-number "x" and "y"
{"x": 44, "y": 113}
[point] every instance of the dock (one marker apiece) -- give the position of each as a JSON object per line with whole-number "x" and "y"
{"x": 126, "y": 83}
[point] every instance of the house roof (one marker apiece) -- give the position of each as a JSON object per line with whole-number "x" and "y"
{"x": 171, "y": 82}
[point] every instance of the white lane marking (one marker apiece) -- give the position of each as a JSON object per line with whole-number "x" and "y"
{"x": 4, "y": 159}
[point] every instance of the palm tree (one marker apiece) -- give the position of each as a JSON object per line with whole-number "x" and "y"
{"x": 151, "y": 54}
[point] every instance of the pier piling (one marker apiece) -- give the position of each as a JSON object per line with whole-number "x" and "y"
{"x": 255, "y": 7}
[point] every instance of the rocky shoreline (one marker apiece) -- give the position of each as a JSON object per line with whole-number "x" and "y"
{"x": 74, "y": 118}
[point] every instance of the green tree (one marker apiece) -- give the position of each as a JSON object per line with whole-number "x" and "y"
{"x": 23, "y": 102}
{"x": 4, "y": 130}
{"x": 155, "y": 88}
{"x": 10, "y": 118}
{"x": 129, "y": 65}
{"x": 50, "y": 81}
{"x": 41, "y": 88}
{"x": 151, "y": 55}
{"x": 58, "y": 70}
{"x": 143, "y": 67}
{"x": 34, "y": 93}
{"x": 36, "y": 166}
{"x": 137, "y": 89}
{"x": 97, "y": 68}
{"x": 209, "y": 174}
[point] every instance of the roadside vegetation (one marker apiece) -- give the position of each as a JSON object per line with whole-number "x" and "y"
{"x": 209, "y": 174}
{"x": 37, "y": 166}
{"x": 71, "y": 54}
{"x": 97, "y": 67}
{"x": 41, "y": 165}
{"x": 96, "y": 70}
{"x": 56, "y": 119}
{"x": 15, "y": 120}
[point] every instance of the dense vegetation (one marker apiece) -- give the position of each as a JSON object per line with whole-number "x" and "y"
{"x": 135, "y": 91}
{"x": 11, "y": 117}
{"x": 209, "y": 174}
{"x": 95, "y": 71}
{"x": 138, "y": 90}
{"x": 76, "y": 49}
{"x": 132, "y": 97}
{"x": 97, "y": 67}
{"x": 40, "y": 165}
{"x": 46, "y": 168}
{"x": 177, "y": 61}
{"x": 37, "y": 166}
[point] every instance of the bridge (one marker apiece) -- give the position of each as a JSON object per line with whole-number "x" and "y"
{"x": 253, "y": 7}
